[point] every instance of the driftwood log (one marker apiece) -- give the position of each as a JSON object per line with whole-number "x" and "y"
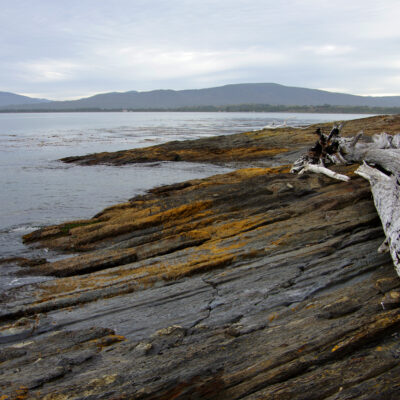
{"x": 380, "y": 165}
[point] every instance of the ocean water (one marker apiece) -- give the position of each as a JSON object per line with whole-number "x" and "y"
{"x": 37, "y": 190}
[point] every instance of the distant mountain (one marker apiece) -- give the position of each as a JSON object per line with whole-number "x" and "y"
{"x": 11, "y": 99}
{"x": 247, "y": 93}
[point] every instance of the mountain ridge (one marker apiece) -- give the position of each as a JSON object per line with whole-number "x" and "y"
{"x": 233, "y": 94}
{"x": 8, "y": 99}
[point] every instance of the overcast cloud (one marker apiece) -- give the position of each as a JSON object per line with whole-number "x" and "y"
{"x": 69, "y": 49}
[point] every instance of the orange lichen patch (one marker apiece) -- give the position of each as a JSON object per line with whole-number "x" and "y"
{"x": 59, "y": 235}
{"x": 64, "y": 286}
{"x": 286, "y": 136}
{"x": 302, "y": 348}
{"x": 337, "y": 347}
{"x": 157, "y": 218}
{"x": 208, "y": 256}
{"x": 272, "y": 317}
{"x": 246, "y": 173}
{"x": 217, "y": 247}
{"x": 280, "y": 241}
{"x": 44, "y": 234}
{"x": 21, "y": 393}
{"x": 234, "y": 228}
{"x": 108, "y": 341}
{"x": 87, "y": 262}
{"x": 81, "y": 229}
{"x": 237, "y": 154}
{"x": 382, "y": 323}
{"x": 200, "y": 234}
{"x": 221, "y": 229}
{"x": 172, "y": 243}
{"x": 58, "y": 230}
{"x": 202, "y": 264}
{"x": 148, "y": 274}
{"x": 118, "y": 207}
{"x": 118, "y": 226}
{"x": 221, "y": 179}
{"x": 262, "y": 133}
{"x": 277, "y": 132}
{"x": 133, "y": 212}
{"x": 236, "y": 176}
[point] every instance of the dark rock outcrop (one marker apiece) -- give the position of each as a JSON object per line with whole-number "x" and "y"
{"x": 257, "y": 284}
{"x": 276, "y": 146}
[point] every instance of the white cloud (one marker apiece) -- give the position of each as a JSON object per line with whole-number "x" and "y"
{"x": 48, "y": 70}
{"x": 328, "y": 49}
{"x": 170, "y": 64}
{"x": 336, "y": 89}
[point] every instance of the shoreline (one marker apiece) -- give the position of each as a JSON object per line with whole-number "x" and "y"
{"x": 230, "y": 109}
{"x": 254, "y": 283}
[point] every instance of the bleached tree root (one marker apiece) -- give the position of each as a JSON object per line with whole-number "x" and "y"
{"x": 383, "y": 153}
{"x": 386, "y": 193}
{"x": 323, "y": 170}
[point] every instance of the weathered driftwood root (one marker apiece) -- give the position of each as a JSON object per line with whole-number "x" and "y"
{"x": 377, "y": 152}
{"x": 326, "y": 150}
{"x": 384, "y": 154}
{"x": 319, "y": 169}
{"x": 385, "y": 190}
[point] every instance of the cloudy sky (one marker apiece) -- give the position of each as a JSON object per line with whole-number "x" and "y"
{"x": 60, "y": 49}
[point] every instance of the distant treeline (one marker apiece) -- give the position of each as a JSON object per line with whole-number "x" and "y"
{"x": 326, "y": 108}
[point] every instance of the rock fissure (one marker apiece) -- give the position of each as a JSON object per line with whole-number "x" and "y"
{"x": 209, "y": 306}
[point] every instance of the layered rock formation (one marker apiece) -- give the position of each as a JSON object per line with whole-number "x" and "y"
{"x": 257, "y": 284}
{"x": 277, "y": 146}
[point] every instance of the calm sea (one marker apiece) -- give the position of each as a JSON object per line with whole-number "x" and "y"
{"x": 38, "y": 190}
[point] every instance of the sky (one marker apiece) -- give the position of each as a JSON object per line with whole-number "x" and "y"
{"x": 59, "y": 50}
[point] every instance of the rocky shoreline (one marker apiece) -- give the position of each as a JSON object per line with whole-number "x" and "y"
{"x": 256, "y": 284}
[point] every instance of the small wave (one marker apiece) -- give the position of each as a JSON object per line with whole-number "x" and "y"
{"x": 24, "y": 228}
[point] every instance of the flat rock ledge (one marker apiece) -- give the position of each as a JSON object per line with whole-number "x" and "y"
{"x": 256, "y": 284}
{"x": 264, "y": 147}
